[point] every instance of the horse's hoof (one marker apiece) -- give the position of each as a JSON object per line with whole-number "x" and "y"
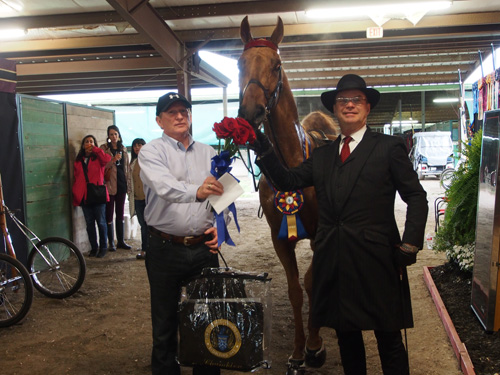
{"x": 315, "y": 358}
{"x": 296, "y": 367}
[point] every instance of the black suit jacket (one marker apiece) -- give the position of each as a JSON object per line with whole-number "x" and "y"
{"x": 357, "y": 283}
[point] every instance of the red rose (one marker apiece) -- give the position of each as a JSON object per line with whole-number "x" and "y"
{"x": 225, "y": 128}
{"x": 247, "y": 134}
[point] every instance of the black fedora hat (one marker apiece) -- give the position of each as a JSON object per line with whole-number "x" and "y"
{"x": 350, "y": 82}
{"x": 168, "y": 99}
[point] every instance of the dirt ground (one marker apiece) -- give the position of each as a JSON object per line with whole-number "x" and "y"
{"x": 105, "y": 328}
{"x": 455, "y": 287}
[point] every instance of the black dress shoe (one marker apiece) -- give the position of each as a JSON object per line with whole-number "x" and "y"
{"x": 93, "y": 253}
{"x": 123, "y": 245}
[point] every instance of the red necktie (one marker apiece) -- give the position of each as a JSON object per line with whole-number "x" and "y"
{"x": 346, "y": 151}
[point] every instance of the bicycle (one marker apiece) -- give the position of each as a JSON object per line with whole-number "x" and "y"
{"x": 56, "y": 268}
{"x": 447, "y": 177}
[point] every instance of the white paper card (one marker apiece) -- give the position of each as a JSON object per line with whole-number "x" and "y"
{"x": 232, "y": 190}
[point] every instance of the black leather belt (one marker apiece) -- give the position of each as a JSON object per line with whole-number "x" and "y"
{"x": 186, "y": 241}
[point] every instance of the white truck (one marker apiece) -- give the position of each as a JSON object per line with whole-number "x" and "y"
{"x": 432, "y": 153}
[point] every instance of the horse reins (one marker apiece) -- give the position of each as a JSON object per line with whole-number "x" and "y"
{"x": 271, "y": 98}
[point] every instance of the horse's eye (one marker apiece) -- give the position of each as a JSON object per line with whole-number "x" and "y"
{"x": 277, "y": 67}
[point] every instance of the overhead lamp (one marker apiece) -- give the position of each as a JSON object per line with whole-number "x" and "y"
{"x": 404, "y": 122}
{"x": 12, "y": 33}
{"x": 445, "y": 100}
{"x": 381, "y": 13}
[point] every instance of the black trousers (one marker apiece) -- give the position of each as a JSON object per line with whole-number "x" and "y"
{"x": 391, "y": 350}
{"x": 168, "y": 266}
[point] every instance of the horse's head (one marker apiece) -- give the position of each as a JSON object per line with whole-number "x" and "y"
{"x": 261, "y": 76}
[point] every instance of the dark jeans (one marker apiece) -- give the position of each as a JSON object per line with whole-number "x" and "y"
{"x": 117, "y": 200}
{"x": 391, "y": 350}
{"x": 168, "y": 265}
{"x": 96, "y": 214}
{"x": 140, "y": 205}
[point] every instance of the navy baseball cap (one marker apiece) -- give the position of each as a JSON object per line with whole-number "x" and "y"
{"x": 168, "y": 99}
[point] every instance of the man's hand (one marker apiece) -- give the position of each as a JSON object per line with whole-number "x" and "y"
{"x": 407, "y": 255}
{"x": 212, "y": 244}
{"x": 262, "y": 145}
{"x": 209, "y": 187}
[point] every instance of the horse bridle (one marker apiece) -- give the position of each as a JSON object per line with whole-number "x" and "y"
{"x": 271, "y": 98}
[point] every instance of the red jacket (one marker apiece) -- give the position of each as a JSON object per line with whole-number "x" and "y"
{"x": 95, "y": 173}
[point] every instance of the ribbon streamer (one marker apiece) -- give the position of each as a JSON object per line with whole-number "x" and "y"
{"x": 221, "y": 165}
{"x": 222, "y": 232}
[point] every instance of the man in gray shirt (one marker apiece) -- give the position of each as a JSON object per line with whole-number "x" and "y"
{"x": 175, "y": 171}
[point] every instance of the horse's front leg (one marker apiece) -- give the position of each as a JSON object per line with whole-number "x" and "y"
{"x": 286, "y": 253}
{"x": 315, "y": 354}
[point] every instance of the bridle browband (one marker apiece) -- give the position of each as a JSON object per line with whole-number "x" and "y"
{"x": 261, "y": 43}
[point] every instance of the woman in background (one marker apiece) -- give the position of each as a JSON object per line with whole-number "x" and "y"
{"x": 136, "y": 197}
{"x": 116, "y": 182}
{"x": 93, "y": 159}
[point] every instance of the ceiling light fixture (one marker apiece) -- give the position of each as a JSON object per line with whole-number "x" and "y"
{"x": 381, "y": 13}
{"x": 404, "y": 122}
{"x": 445, "y": 100}
{"x": 12, "y": 33}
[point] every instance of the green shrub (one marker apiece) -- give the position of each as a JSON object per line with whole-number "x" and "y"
{"x": 457, "y": 234}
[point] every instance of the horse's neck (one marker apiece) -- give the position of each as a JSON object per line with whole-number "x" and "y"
{"x": 285, "y": 132}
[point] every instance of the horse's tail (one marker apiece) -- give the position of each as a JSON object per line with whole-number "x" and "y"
{"x": 321, "y": 128}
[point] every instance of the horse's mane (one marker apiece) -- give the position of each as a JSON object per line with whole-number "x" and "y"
{"x": 320, "y": 127}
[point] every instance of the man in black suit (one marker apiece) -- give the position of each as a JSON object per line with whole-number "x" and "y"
{"x": 359, "y": 265}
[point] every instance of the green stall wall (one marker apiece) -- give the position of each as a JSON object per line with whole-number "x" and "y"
{"x": 47, "y": 185}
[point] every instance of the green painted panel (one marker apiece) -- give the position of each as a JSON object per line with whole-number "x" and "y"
{"x": 48, "y": 191}
{"x": 35, "y": 104}
{"x": 45, "y": 151}
{"x": 47, "y": 181}
{"x": 54, "y": 165}
{"x": 57, "y": 206}
{"x": 42, "y": 129}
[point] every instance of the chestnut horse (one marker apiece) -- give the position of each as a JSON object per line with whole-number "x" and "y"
{"x": 266, "y": 98}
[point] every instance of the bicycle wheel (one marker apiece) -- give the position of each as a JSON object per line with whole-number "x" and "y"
{"x": 57, "y": 267}
{"x": 16, "y": 291}
{"x": 447, "y": 177}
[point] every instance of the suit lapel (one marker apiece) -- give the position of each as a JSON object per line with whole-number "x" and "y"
{"x": 330, "y": 168}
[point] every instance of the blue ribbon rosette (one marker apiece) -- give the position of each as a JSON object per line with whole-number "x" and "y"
{"x": 221, "y": 164}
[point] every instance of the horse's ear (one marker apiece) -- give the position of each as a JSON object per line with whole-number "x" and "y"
{"x": 278, "y": 32}
{"x": 245, "y": 34}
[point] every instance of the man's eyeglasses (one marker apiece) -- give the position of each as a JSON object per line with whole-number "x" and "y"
{"x": 356, "y": 100}
{"x": 174, "y": 112}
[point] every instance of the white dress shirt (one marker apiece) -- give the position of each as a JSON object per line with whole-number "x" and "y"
{"x": 171, "y": 175}
{"x": 356, "y": 138}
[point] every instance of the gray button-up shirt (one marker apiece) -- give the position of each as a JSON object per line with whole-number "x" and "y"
{"x": 171, "y": 175}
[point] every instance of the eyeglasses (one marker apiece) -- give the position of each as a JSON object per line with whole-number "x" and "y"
{"x": 174, "y": 112}
{"x": 356, "y": 100}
